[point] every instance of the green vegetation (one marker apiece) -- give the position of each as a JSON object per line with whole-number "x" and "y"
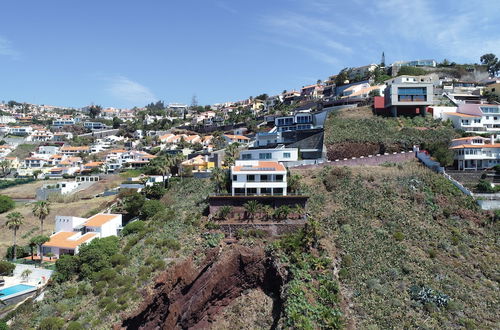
{"x": 311, "y": 296}
{"x": 108, "y": 275}
{"x": 407, "y": 239}
{"x": 6, "y": 268}
{"x": 348, "y": 135}
{"x": 133, "y": 227}
{"x": 411, "y": 71}
{"x": 6, "y": 203}
{"x": 23, "y": 150}
{"x": 11, "y": 183}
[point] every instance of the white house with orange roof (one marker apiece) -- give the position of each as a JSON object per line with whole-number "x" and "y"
{"x": 258, "y": 178}
{"x": 476, "y": 152}
{"x": 193, "y": 139}
{"x": 475, "y": 118}
{"x": 72, "y": 232}
{"x": 230, "y": 138}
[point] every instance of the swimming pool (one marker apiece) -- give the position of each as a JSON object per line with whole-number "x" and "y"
{"x": 15, "y": 289}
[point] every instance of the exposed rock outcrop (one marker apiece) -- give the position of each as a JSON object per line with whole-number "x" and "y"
{"x": 188, "y": 298}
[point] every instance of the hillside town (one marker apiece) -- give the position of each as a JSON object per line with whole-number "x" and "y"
{"x": 254, "y": 152}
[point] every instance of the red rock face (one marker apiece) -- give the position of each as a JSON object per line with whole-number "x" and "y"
{"x": 186, "y": 297}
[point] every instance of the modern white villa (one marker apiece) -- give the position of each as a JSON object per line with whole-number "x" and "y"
{"x": 475, "y": 152}
{"x": 250, "y": 178}
{"x": 72, "y": 232}
{"x": 278, "y": 154}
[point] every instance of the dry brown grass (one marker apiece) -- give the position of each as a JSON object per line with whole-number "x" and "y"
{"x": 355, "y": 113}
{"x": 27, "y": 190}
{"x": 32, "y": 224}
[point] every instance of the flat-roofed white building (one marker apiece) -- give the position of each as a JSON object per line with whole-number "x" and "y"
{"x": 278, "y": 154}
{"x": 258, "y": 178}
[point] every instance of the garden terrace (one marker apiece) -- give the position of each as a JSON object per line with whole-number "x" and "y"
{"x": 235, "y": 207}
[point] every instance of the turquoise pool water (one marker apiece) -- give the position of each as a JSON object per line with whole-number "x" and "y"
{"x": 4, "y": 293}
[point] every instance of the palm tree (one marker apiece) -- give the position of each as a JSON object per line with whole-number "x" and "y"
{"x": 14, "y": 221}
{"x": 268, "y": 212}
{"x": 41, "y": 210}
{"x": 225, "y": 212}
{"x": 282, "y": 212}
{"x": 163, "y": 167}
{"x": 252, "y": 207}
{"x": 219, "y": 177}
{"x": 231, "y": 153}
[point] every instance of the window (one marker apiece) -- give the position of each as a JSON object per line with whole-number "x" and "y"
{"x": 246, "y": 156}
{"x": 266, "y": 155}
{"x": 265, "y": 191}
{"x": 279, "y": 178}
{"x": 286, "y": 155}
{"x": 412, "y": 94}
{"x": 278, "y": 191}
{"x": 489, "y": 109}
{"x": 251, "y": 178}
{"x": 235, "y": 178}
{"x": 264, "y": 178}
{"x": 239, "y": 191}
{"x": 251, "y": 191}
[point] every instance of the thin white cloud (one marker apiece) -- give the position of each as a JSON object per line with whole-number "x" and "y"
{"x": 226, "y": 7}
{"x": 6, "y": 48}
{"x": 124, "y": 89}
{"x": 461, "y": 31}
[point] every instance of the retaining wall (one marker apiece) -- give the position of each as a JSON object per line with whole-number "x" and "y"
{"x": 371, "y": 160}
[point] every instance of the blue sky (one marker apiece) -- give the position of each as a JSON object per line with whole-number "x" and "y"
{"x": 123, "y": 53}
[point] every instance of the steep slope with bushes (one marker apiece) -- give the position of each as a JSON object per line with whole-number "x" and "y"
{"x": 412, "y": 251}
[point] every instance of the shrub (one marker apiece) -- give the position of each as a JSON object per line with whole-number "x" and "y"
{"x": 99, "y": 287}
{"x": 6, "y": 268}
{"x": 21, "y": 252}
{"x": 150, "y": 208}
{"x": 71, "y": 293}
{"x": 399, "y": 236}
{"x": 73, "y": 325}
{"x": 156, "y": 191}
{"x": 432, "y": 253}
{"x": 133, "y": 227}
{"x": 66, "y": 266}
{"x": 484, "y": 187}
{"x": 118, "y": 259}
{"x": 212, "y": 225}
{"x": 426, "y": 295}
{"x": 170, "y": 243}
{"x": 133, "y": 204}
{"x": 107, "y": 275}
{"x": 347, "y": 261}
{"x": 6, "y": 204}
{"x": 51, "y": 323}
{"x": 3, "y": 325}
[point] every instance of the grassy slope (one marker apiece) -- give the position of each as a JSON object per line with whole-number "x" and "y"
{"x": 360, "y": 125}
{"x": 148, "y": 252}
{"x": 23, "y": 150}
{"x": 401, "y": 226}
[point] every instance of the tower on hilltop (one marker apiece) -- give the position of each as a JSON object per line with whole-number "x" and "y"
{"x": 382, "y": 62}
